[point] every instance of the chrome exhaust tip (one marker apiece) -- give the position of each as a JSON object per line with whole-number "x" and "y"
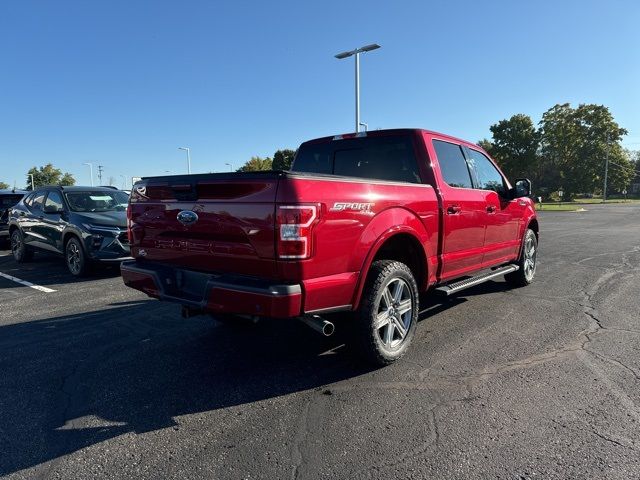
{"x": 320, "y": 325}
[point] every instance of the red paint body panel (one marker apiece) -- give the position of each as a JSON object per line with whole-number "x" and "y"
{"x": 236, "y": 232}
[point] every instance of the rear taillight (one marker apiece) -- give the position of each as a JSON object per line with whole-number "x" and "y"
{"x": 294, "y": 229}
{"x": 129, "y": 234}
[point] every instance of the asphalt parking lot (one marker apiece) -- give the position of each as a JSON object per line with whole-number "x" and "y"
{"x": 97, "y": 380}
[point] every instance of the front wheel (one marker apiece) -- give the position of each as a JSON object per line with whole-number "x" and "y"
{"x": 527, "y": 262}
{"x": 21, "y": 253}
{"x": 388, "y": 315}
{"x": 77, "y": 261}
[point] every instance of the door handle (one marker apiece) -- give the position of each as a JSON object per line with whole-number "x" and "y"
{"x": 491, "y": 209}
{"x": 453, "y": 209}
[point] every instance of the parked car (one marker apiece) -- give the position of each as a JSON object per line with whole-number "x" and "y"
{"x": 8, "y": 198}
{"x": 360, "y": 225}
{"x": 85, "y": 224}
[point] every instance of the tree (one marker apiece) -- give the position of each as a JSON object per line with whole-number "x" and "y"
{"x": 573, "y": 145}
{"x": 4, "y": 186}
{"x": 49, "y": 175}
{"x": 283, "y": 159}
{"x": 515, "y": 146}
{"x": 487, "y": 146}
{"x": 255, "y": 164}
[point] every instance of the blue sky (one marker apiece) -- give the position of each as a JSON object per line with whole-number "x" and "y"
{"x": 125, "y": 83}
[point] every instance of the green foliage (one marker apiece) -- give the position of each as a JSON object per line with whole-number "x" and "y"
{"x": 515, "y": 146}
{"x": 574, "y": 145}
{"x": 49, "y": 175}
{"x": 4, "y": 186}
{"x": 256, "y": 164}
{"x": 283, "y": 159}
{"x": 567, "y": 151}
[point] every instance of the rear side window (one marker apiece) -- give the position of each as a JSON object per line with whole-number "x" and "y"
{"x": 487, "y": 175}
{"x": 453, "y": 165}
{"x": 385, "y": 158}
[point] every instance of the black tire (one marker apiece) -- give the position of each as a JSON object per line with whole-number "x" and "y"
{"x": 388, "y": 315}
{"x": 76, "y": 258}
{"x": 21, "y": 253}
{"x": 527, "y": 261}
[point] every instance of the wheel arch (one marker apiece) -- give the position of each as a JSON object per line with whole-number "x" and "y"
{"x": 400, "y": 243}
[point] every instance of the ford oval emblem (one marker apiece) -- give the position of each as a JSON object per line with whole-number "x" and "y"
{"x": 187, "y": 217}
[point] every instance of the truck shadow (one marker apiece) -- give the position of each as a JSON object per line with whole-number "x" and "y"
{"x": 49, "y": 269}
{"x": 70, "y": 382}
{"x": 73, "y": 381}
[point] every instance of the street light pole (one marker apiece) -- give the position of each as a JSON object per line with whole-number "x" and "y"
{"x": 90, "y": 171}
{"x": 230, "y": 167}
{"x": 357, "y": 92}
{"x": 33, "y": 185}
{"x": 357, "y": 52}
{"x": 188, "y": 150}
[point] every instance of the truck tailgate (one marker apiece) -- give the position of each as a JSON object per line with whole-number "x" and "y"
{"x": 226, "y": 225}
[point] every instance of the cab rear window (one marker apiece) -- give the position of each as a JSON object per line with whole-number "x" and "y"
{"x": 383, "y": 158}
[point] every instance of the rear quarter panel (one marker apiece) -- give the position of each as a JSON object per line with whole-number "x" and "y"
{"x": 345, "y": 239}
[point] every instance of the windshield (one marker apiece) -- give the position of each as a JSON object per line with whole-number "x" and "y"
{"x": 97, "y": 201}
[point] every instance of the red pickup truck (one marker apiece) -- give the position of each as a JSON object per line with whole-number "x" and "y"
{"x": 361, "y": 225}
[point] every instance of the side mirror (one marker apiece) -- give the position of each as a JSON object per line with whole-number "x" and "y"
{"x": 522, "y": 188}
{"x": 52, "y": 209}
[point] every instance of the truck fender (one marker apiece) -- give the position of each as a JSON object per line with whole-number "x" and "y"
{"x": 384, "y": 226}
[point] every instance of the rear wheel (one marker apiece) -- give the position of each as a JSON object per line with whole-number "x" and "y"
{"x": 527, "y": 262}
{"x": 21, "y": 253}
{"x": 76, "y": 259}
{"x": 388, "y": 315}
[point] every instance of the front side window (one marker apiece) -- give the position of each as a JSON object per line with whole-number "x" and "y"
{"x": 54, "y": 201}
{"x": 487, "y": 175}
{"x": 97, "y": 201}
{"x": 453, "y": 165}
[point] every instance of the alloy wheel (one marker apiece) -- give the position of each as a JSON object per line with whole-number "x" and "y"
{"x": 530, "y": 255}
{"x": 73, "y": 258}
{"x": 394, "y": 314}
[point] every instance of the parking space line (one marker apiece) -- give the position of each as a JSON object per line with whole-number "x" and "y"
{"x": 26, "y": 284}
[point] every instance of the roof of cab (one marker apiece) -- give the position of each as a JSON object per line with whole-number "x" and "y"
{"x": 391, "y": 131}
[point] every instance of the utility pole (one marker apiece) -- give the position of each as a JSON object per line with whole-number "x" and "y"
{"x": 606, "y": 173}
{"x": 100, "y": 167}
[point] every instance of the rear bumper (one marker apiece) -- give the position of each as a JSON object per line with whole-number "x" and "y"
{"x": 214, "y": 293}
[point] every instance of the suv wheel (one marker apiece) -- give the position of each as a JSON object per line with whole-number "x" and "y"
{"x": 388, "y": 315}
{"x": 75, "y": 257}
{"x": 21, "y": 253}
{"x": 527, "y": 262}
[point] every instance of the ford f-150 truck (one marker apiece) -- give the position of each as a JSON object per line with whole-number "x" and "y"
{"x": 360, "y": 225}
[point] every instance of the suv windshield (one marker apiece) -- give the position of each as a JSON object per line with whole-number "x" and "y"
{"x": 97, "y": 201}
